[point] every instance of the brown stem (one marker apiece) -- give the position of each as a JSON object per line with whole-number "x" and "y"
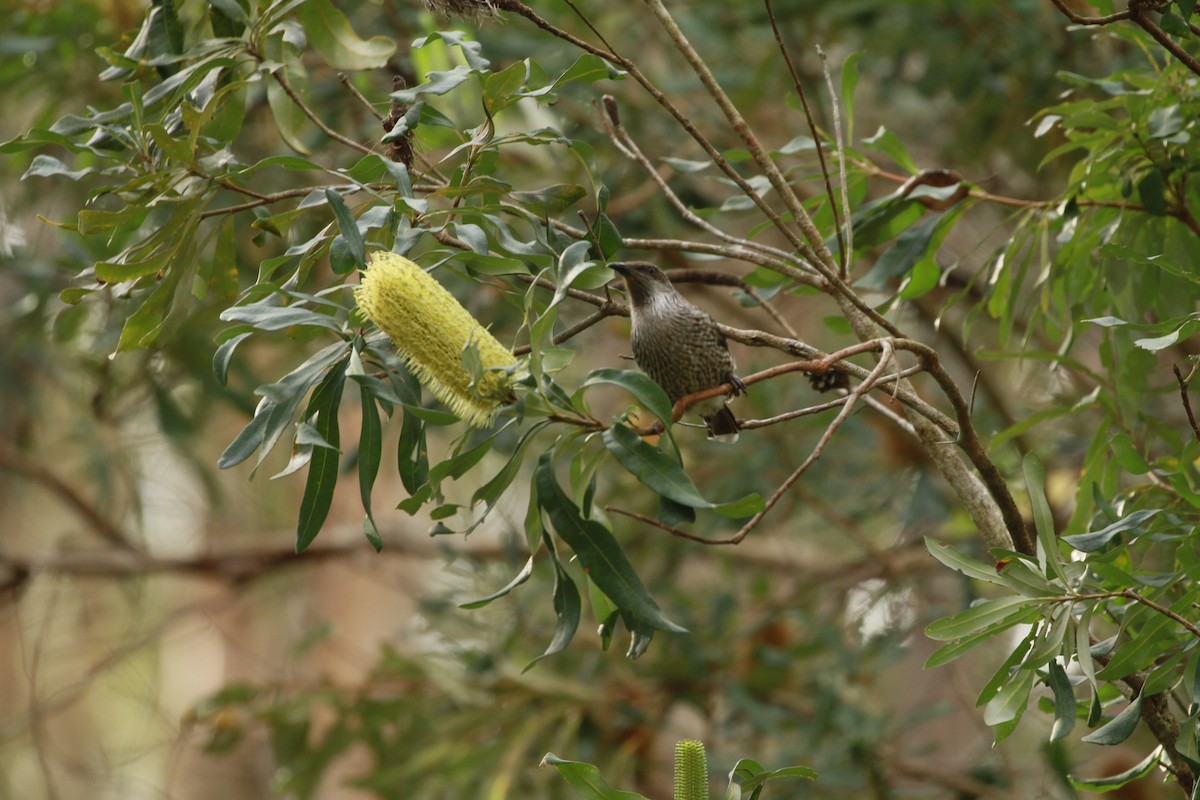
{"x": 106, "y": 529}
{"x": 1187, "y": 403}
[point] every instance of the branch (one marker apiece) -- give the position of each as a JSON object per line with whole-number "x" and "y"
{"x": 857, "y": 392}
{"x": 843, "y": 253}
{"x": 780, "y": 259}
{"x": 1138, "y": 14}
{"x": 1187, "y": 403}
{"x": 1081, "y": 20}
{"x": 282, "y": 80}
{"x": 106, "y": 529}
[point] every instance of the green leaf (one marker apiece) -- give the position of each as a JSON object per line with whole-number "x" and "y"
{"x": 598, "y": 551}
{"x": 412, "y": 452}
{"x": 1010, "y": 701}
{"x": 349, "y": 228}
{"x": 652, "y": 467}
{"x": 490, "y": 492}
{"x": 1064, "y": 701}
{"x": 550, "y": 200}
{"x": 522, "y": 576}
{"x": 978, "y": 617}
{"x": 290, "y": 120}
{"x": 961, "y": 563}
{"x": 1111, "y": 782}
{"x": 1156, "y": 343}
{"x": 323, "y": 469}
{"x": 1097, "y": 540}
{"x": 274, "y": 318}
{"x": 370, "y": 452}
{"x": 586, "y": 780}
{"x": 665, "y": 475}
{"x": 567, "y": 607}
{"x": 1050, "y": 635}
{"x": 647, "y": 392}
{"x": 1047, "y": 550}
{"x": 330, "y": 34}
{"x": 435, "y": 83}
{"x": 280, "y": 402}
{"x": 890, "y": 145}
{"x": 1120, "y": 727}
{"x": 748, "y": 774}
{"x": 224, "y": 356}
{"x": 1153, "y": 193}
{"x": 911, "y": 247}
{"x": 959, "y": 647}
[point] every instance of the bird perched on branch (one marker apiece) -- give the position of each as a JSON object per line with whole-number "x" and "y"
{"x": 679, "y": 345}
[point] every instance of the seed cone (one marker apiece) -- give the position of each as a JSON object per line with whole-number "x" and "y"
{"x": 430, "y": 329}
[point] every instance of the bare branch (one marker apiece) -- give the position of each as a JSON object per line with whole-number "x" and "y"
{"x": 97, "y": 523}
{"x": 1187, "y": 403}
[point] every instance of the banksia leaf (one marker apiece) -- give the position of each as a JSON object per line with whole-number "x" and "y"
{"x": 691, "y": 771}
{"x": 431, "y": 331}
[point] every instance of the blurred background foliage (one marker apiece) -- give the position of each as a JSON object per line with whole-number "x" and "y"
{"x": 162, "y": 640}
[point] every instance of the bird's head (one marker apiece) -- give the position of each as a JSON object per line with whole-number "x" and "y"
{"x": 644, "y": 280}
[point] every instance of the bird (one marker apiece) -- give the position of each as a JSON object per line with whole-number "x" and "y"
{"x": 679, "y": 345}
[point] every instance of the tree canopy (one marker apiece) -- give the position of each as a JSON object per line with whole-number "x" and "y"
{"x": 291, "y": 284}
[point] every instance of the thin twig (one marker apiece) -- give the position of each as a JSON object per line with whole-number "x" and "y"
{"x": 348, "y": 82}
{"x": 282, "y": 80}
{"x": 804, "y": 273}
{"x": 858, "y": 391}
{"x": 812, "y": 127}
{"x": 1146, "y": 601}
{"x": 682, "y": 534}
{"x": 1187, "y": 404}
{"x": 787, "y": 416}
{"x": 106, "y": 529}
{"x": 835, "y": 109}
{"x": 1082, "y": 20}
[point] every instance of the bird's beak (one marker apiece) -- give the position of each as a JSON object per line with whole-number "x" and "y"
{"x": 619, "y": 268}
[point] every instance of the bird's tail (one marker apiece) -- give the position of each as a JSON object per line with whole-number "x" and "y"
{"x": 722, "y": 426}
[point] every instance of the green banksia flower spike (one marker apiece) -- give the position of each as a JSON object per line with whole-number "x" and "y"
{"x": 691, "y": 771}
{"x": 430, "y": 329}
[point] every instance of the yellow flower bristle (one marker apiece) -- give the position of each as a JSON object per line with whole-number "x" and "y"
{"x": 430, "y": 329}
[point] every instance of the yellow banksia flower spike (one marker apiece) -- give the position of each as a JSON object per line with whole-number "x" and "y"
{"x": 430, "y": 329}
{"x": 691, "y": 770}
